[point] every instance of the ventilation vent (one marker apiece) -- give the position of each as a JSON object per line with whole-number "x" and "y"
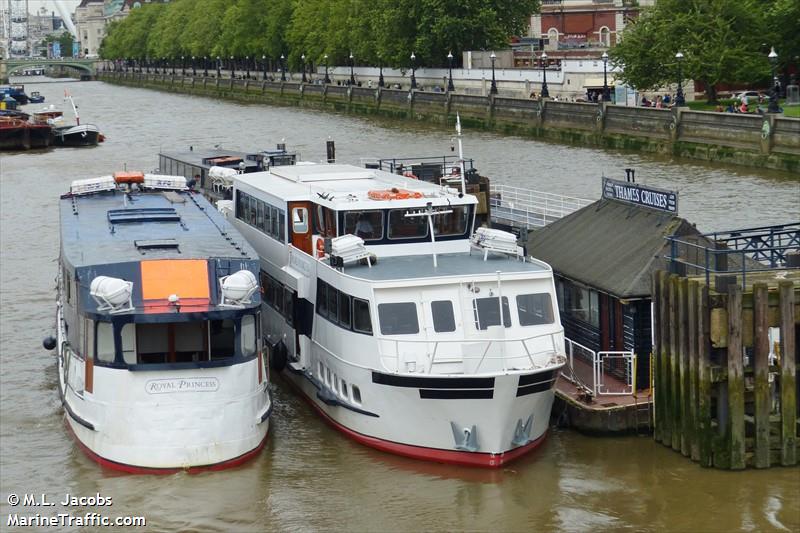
{"x": 156, "y": 244}
{"x": 153, "y": 214}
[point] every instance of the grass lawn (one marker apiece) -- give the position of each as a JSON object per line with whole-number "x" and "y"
{"x": 701, "y": 105}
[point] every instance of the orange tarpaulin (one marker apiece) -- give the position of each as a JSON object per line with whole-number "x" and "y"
{"x": 187, "y": 278}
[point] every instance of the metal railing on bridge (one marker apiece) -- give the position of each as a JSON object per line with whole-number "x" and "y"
{"x": 526, "y": 208}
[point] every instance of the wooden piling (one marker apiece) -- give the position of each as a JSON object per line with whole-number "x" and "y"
{"x": 788, "y": 377}
{"x": 736, "y": 429}
{"x": 691, "y": 335}
{"x": 761, "y": 364}
{"x": 683, "y": 362}
{"x": 658, "y": 423}
{"x": 704, "y": 377}
{"x": 674, "y": 366}
{"x": 666, "y": 403}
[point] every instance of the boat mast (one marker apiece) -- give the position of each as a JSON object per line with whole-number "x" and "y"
{"x": 461, "y": 155}
{"x": 74, "y": 107}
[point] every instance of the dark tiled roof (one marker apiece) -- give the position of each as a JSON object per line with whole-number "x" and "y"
{"x": 609, "y": 245}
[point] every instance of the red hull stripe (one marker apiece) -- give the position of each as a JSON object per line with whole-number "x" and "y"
{"x": 131, "y": 469}
{"x": 487, "y": 460}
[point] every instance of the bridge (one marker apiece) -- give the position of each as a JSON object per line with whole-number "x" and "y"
{"x": 87, "y": 67}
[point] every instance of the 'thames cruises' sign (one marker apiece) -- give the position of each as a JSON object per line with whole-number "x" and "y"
{"x": 643, "y": 196}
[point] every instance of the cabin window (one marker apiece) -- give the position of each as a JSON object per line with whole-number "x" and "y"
{"x": 534, "y": 309}
{"x": 403, "y": 227}
{"x": 300, "y": 220}
{"x": 273, "y": 229}
{"x": 128, "y": 335}
{"x": 325, "y": 222}
{"x": 188, "y": 342}
{"x": 260, "y": 215}
{"x": 105, "y": 342}
{"x": 248, "y": 336}
{"x": 344, "y": 310}
{"x": 398, "y": 318}
{"x": 443, "y": 319}
{"x": 322, "y": 298}
{"x": 267, "y": 219}
{"x": 152, "y": 341}
{"x": 288, "y": 301}
{"x": 365, "y": 224}
{"x": 344, "y": 388}
{"x": 252, "y": 213}
{"x": 487, "y": 312}
{"x": 454, "y": 223}
{"x": 362, "y": 323}
{"x": 222, "y": 339}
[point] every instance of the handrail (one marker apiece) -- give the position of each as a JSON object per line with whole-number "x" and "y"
{"x": 531, "y": 208}
{"x": 555, "y": 354}
{"x": 595, "y": 359}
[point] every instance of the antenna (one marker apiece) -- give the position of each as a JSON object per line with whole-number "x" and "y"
{"x": 461, "y": 154}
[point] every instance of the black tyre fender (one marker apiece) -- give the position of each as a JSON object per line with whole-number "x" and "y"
{"x": 277, "y": 357}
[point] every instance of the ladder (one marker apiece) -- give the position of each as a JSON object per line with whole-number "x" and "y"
{"x": 643, "y": 407}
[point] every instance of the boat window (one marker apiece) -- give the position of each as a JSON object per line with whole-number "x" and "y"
{"x": 273, "y": 230}
{"x": 333, "y": 304}
{"x": 253, "y": 212}
{"x": 322, "y": 298}
{"x": 288, "y": 311}
{"x": 365, "y": 224}
{"x": 267, "y": 219}
{"x": 454, "y": 223}
{"x": 534, "y": 309}
{"x": 281, "y": 235}
{"x": 260, "y": 215}
{"x": 128, "y": 335}
{"x": 487, "y": 312}
{"x": 344, "y": 310}
{"x": 222, "y": 343}
{"x": 398, "y": 318}
{"x": 105, "y": 342}
{"x": 325, "y": 222}
{"x": 248, "y": 336}
{"x": 188, "y": 342}
{"x": 152, "y": 341}
{"x": 300, "y": 220}
{"x": 89, "y": 345}
{"x": 344, "y": 388}
{"x": 403, "y": 227}
{"x": 362, "y": 323}
{"x": 443, "y": 318}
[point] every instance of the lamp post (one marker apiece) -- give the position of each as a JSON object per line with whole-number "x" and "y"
{"x": 352, "y": 78}
{"x": 606, "y": 96}
{"x": 679, "y": 100}
{"x": 247, "y": 67}
{"x": 380, "y": 71}
{"x": 219, "y": 67}
{"x": 183, "y": 66}
{"x": 545, "y": 92}
{"x": 493, "y": 88}
{"x": 283, "y": 68}
{"x": 413, "y": 68}
{"x": 205, "y": 66}
{"x": 773, "y": 93}
{"x": 450, "y": 86}
{"x": 172, "y": 60}
{"x": 233, "y": 68}
{"x": 327, "y": 78}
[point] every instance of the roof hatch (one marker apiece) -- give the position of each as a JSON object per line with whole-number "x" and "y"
{"x": 152, "y": 214}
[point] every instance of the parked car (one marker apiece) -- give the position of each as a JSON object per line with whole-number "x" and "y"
{"x": 751, "y": 95}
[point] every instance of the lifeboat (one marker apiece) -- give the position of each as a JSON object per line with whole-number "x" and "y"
{"x": 394, "y": 194}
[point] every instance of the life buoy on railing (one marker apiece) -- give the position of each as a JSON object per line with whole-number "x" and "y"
{"x": 320, "y": 248}
{"x": 409, "y": 174}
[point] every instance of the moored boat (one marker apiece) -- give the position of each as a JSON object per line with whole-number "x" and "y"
{"x": 17, "y": 133}
{"x": 403, "y": 326}
{"x": 159, "y": 354}
{"x": 36, "y": 98}
{"x": 78, "y": 135}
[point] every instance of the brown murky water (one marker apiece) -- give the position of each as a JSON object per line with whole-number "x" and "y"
{"x": 309, "y": 477}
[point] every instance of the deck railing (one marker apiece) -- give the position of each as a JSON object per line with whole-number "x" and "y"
{"x": 599, "y": 373}
{"x": 528, "y": 208}
{"x": 471, "y": 356}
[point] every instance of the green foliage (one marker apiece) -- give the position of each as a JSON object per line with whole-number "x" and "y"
{"x": 722, "y": 41}
{"x": 374, "y": 31}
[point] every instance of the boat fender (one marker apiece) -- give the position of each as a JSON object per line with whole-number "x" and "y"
{"x": 277, "y": 359}
{"x": 49, "y": 343}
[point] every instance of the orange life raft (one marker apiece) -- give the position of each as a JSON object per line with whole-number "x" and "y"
{"x": 393, "y": 194}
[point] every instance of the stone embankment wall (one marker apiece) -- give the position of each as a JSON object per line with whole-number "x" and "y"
{"x": 767, "y": 141}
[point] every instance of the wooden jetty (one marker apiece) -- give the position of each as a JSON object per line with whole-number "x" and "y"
{"x": 726, "y": 392}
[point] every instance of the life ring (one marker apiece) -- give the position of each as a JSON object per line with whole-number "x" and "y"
{"x": 409, "y": 174}
{"x": 320, "y": 248}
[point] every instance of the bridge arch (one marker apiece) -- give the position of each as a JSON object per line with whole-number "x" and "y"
{"x": 11, "y": 66}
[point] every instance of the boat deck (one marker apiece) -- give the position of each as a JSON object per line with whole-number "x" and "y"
{"x": 456, "y": 265}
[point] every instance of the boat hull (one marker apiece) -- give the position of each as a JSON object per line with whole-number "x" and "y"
{"x": 398, "y": 420}
{"x": 24, "y": 137}
{"x": 83, "y": 135}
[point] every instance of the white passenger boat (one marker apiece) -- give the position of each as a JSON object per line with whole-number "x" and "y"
{"x": 384, "y": 310}
{"x": 159, "y": 351}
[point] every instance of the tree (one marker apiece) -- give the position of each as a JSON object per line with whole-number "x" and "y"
{"x": 721, "y": 42}
{"x": 65, "y": 40}
{"x": 783, "y": 33}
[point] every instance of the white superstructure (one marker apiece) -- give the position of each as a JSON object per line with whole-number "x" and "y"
{"x": 384, "y": 313}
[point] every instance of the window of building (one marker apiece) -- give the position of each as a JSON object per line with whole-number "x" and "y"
{"x": 580, "y": 303}
{"x": 487, "y": 312}
{"x": 398, "y": 318}
{"x": 443, "y": 319}
{"x": 534, "y": 309}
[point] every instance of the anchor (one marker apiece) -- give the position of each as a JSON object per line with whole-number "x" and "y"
{"x": 466, "y": 439}
{"x": 522, "y": 433}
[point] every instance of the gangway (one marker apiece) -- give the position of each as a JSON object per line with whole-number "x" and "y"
{"x": 529, "y": 209}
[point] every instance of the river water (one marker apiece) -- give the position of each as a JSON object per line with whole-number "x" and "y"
{"x": 309, "y": 477}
